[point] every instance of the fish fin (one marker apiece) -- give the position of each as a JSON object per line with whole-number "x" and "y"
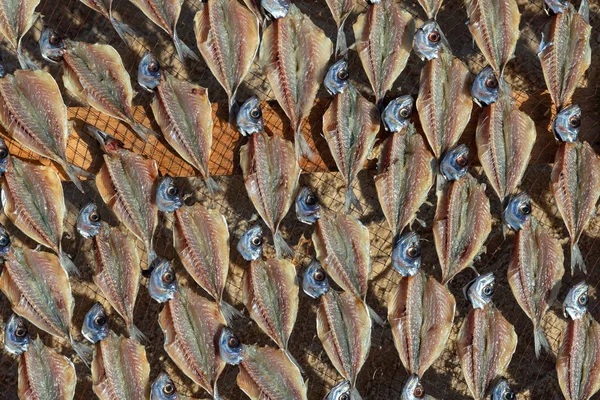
{"x": 24, "y": 60}
{"x": 584, "y": 11}
{"x": 233, "y": 109}
{"x": 212, "y": 186}
{"x": 374, "y": 316}
{"x": 151, "y": 256}
{"x": 84, "y": 351}
{"x": 68, "y": 264}
{"x": 72, "y": 174}
{"x": 136, "y": 334}
{"x": 302, "y": 147}
{"x": 282, "y": 248}
{"x": 543, "y": 45}
{"x": 293, "y": 360}
{"x": 355, "y": 394}
{"x": 341, "y": 46}
{"x": 182, "y": 49}
{"x": 229, "y": 312}
{"x": 577, "y": 259}
{"x": 352, "y": 200}
{"x": 539, "y": 337}
{"x": 142, "y": 131}
{"x": 122, "y": 29}
{"x": 216, "y": 395}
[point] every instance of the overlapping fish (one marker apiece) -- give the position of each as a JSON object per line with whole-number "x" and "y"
{"x": 413, "y": 390}
{"x": 43, "y": 373}
{"x": 184, "y": 114}
{"x": 420, "y": 309}
{"x": 486, "y": 341}
{"x": 578, "y": 358}
{"x": 343, "y": 326}
{"x": 271, "y": 171}
{"x": 294, "y": 54}
{"x": 462, "y": 219}
{"x": 228, "y": 38}
{"x": 16, "y": 19}
{"x": 350, "y": 125}
{"x": 95, "y": 75}
{"x": 104, "y": 7}
{"x": 163, "y": 388}
{"x": 265, "y": 373}
{"x": 384, "y": 36}
{"x": 117, "y": 270}
{"x": 191, "y": 325}
{"x": 341, "y": 10}
{"x": 536, "y": 266}
{"x": 120, "y": 369}
{"x": 405, "y": 168}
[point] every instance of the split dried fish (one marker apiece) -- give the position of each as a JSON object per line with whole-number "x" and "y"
{"x": 384, "y": 36}
{"x": 413, "y": 390}
{"x": 350, "y": 125}
{"x": 256, "y": 8}
{"x": 16, "y": 19}
{"x": 104, "y": 7}
{"x": 341, "y": 10}
{"x": 294, "y": 54}
{"x": 486, "y": 341}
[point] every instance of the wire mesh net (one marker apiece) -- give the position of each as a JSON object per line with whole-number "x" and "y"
{"x": 383, "y": 376}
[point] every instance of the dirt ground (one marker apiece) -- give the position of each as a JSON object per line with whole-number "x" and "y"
{"x": 383, "y": 376}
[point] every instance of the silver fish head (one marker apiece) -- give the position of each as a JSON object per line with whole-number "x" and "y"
{"x": 95, "y": 324}
{"x": 163, "y": 283}
{"x": 406, "y": 256}
{"x": 168, "y": 197}
{"x": 480, "y": 290}
{"x": 107, "y": 142}
{"x": 230, "y": 347}
{"x": 341, "y": 391}
{"x": 336, "y": 80}
{"x": 314, "y": 281}
{"x": 251, "y": 243}
{"x": 149, "y": 71}
{"x": 557, "y": 6}
{"x": 396, "y": 115}
{"x": 518, "y": 211}
{"x": 429, "y": 39}
{"x": 502, "y": 391}
{"x": 413, "y": 390}
{"x": 249, "y": 117}
{"x": 89, "y": 223}
{"x": 4, "y": 242}
{"x": 567, "y": 124}
{"x": 277, "y": 8}
{"x": 16, "y": 335}
{"x": 52, "y": 45}
{"x": 308, "y": 209}
{"x": 575, "y": 305}
{"x": 3, "y": 156}
{"x": 455, "y": 163}
{"x": 485, "y": 87}
{"x": 2, "y": 69}
{"x": 163, "y": 388}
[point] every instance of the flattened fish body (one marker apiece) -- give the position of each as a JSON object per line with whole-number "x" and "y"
{"x": 191, "y": 325}
{"x": 120, "y": 369}
{"x": 485, "y": 344}
{"x": 461, "y": 225}
{"x": 578, "y": 359}
{"x": 45, "y": 375}
{"x": 164, "y": 13}
{"x": 420, "y": 311}
{"x": 405, "y": 177}
{"x": 384, "y": 36}
{"x": 16, "y": 18}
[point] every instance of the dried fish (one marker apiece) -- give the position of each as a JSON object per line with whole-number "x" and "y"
{"x": 502, "y": 391}
{"x": 431, "y": 7}
{"x": 43, "y": 373}
{"x": 486, "y": 341}
{"x": 384, "y": 36}
{"x": 256, "y": 8}
{"x": 104, "y": 7}
{"x": 16, "y": 19}
{"x": 350, "y": 125}
{"x": 341, "y": 10}
{"x": 294, "y": 54}
{"x": 163, "y": 388}
{"x": 413, "y": 390}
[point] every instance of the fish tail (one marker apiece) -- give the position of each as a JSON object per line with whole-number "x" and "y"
{"x": 68, "y": 264}
{"x": 352, "y": 200}
{"x": 302, "y": 147}
{"x": 84, "y": 351}
{"x": 577, "y": 259}
{"x": 24, "y": 59}
{"x": 182, "y": 49}
{"x": 355, "y": 394}
{"x": 151, "y": 256}
{"x": 216, "y": 395}
{"x": 233, "y": 109}
{"x": 212, "y": 186}
{"x": 281, "y": 247}
{"x": 142, "y": 131}
{"x": 122, "y": 29}
{"x": 73, "y": 176}
{"x": 341, "y": 47}
{"x": 229, "y": 312}
{"x": 539, "y": 338}
{"x": 136, "y": 334}
{"x": 293, "y": 360}
{"x": 374, "y": 317}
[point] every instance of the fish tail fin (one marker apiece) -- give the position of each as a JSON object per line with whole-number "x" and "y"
{"x": 72, "y": 173}
{"x": 352, "y": 200}
{"x": 84, "y": 351}
{"x": 212, "y": 186}
{"x": 355, "y": 394}
{"x": 577, "y": 259}
{"x": 183, "y": 49}
{"x": 293, "y": 360}
{"x": 136, "y": 334}
{"x": 282, "y": 248}
{"x": 151, "y": 256}
{"x": 233, "y": 109}
{"x": 24, "y": 60}
{"x": 540, "y": 340}
{"x": 68, "y": 264}
{"x": 341, "y": 46}
{"x": 374, "y": 316}
{"x": 302, "y": 147}
{"x": 122, "y": 29}
{"x": 229, "y": 312}
{"x": 142, "y": 131}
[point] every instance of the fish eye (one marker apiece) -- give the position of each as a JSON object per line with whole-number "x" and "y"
{"x": 3, "y": 153}
{"x": 525, "y": 208}
{"x": 404, "y": 112}
{"x": 100, "y": 320}
{"x": 255, "y": 113}
{"x": 344, "y": 396}
{"x": 54, "y": 39}
{"x": 575, "y": 121}
{"x": 311, "y": 200}
{"x": 21, "y": 332}
{"x": 488, "y": 290}
{"x": 491, "y": 82}
{"x": 510, "y": 396}
{"x": 462, "y": 161}
{"x": 172, "y": 191}
{"x": 233, "y": 342}
{"x": 256, "y": 241}
{"x": 583, "y": 299}
{"x": 169, "y": 388}
{"x": 342, "y": 74}
{"x": 434, "y": 36}
{"x": 154, "y": 66}
{"x": 419, "y": 392}
{"x": 168, "y": 277}
{"x": 95, "y": 217}
{"x": 4, "y": 240}
{"x": 319, "y": 276}
{"x": 413, "y": 251}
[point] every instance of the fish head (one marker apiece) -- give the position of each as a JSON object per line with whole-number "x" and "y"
{"x": 277, "y": 8}
{"x": 5, "y": 243}
{"x": 2, "y": 69}
{"x": 308, "y": 209}
{"x": 4, "y": 154}
{"x": 518, "y": 211}
{"x": 249, "y": 117}
{"x": 168, "y": 196}
{"x": 396, "y": 115}
{"x": 502, "y": 391}
{"x": 89, "y": 223}
{"x": 480, "y": 290}
{"x": 251, "y": 243}
{"x": 16, "y": 335}
{"x": 95, "y": 324}
{"x": 455, "y": 163}
{"x": 163, "y": 388}
{"x": 315, "y": 282}
{"x": 52, "y": 45}
{"x": 341, "y": 391}
{"x": 230, "y": 347}
{"x": 406, "y": 255}
{"x": 557, "y": 6}
{"x": 107, "y": 142}
{"x": 485, "y": 87}
{"x": 413, "y": 389}
{"x": 567, "y": 124}
{"x": 429, "y": 39}
{"x": 336, "y": 79}
{"x": 575, "y": 305}
{"x": 163, "y": 282}
{"x": 149, "y": 71}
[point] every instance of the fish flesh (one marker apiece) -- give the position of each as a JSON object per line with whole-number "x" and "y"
{"x": 341, "y": 10}
{"x": 294, "y": 54}
{"x": 384, "y": 36}
{"x": 413, "y": 390}
{"x": 94, "y": 74}
{"x": 184, "y": 114}
{"x": 104, "y": 7}
{"x": 575, "y": 183}
{"x": 350, "y": 126}
{"x": 227, "y": 34}
{"x": 486, "y": 341}
{"x": 256, "y": 8}
{"x": 16, "y": 19}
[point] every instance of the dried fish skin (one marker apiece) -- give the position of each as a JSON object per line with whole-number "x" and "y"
{"x": 431, "y": 7}
{"x": 461, "y": 225}
{"x": 420, "y": 311}
{"x": 341, "y": 10}
{"x": 16, "y": 19}
{"x": 575, "y": 183}
{"x": 384, "y": 36}
{"x": 256, "y": 8}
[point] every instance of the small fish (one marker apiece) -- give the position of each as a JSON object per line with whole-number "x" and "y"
{"x": 104, "y": 7}
{"x": 265, "y": 373}
{"x": 163, "y": 388}
{"x": 575, "y": 183}
{"x": 271, "y": 173}
{"x": 567, "y": 124}
{"x": 294, "y": 54}
{"x": 43, "y": 373}
{"x": 341, "y": 10}
{"x": 250, "y": 245}
{"x": 227, "y": 34}
{"x": 485, "y": 87}
{"x": 94, "y": 74}
{"x": 486, "y": 341}
{"x": 168, "y": 196}
{"x": 455, "y": 164}
{"x": 350, "y": 126}
{"x": 384, "y": 36}
{"x": 17, "y": 17}
{"x": 413, "y": 390}
{"x": 502, "y": 391}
